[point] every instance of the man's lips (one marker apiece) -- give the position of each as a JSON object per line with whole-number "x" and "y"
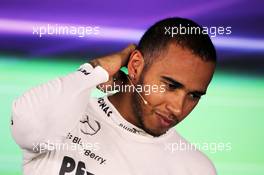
{"x": 164, "y": 120}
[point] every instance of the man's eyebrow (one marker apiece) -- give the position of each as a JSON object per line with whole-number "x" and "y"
{"x": 180, "y": 85}
{"x": 172, "y": 81}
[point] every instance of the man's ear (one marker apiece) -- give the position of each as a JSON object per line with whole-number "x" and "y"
{"x": 135, "y": 65}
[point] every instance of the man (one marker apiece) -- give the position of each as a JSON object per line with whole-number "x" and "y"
{"x": 63, "y": 130}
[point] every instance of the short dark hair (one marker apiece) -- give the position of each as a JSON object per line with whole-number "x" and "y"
{"x": 155, "y": 40}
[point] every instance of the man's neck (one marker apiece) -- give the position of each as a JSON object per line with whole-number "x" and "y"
{"x": 122, "y": 102}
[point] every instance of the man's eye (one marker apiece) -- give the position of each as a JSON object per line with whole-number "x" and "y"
{"x": 171, "y": 86}
{"x": 195, "y": 96}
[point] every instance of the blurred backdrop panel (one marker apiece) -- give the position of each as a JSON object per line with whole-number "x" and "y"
{"x": 41, "y": 40}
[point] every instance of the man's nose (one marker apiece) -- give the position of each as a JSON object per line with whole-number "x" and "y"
{"x": 175, "y": 104}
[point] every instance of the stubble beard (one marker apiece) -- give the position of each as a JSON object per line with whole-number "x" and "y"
{"x": 137, "y": 108}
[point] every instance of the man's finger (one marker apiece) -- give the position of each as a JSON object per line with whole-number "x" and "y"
{"x": 127, "y": 51}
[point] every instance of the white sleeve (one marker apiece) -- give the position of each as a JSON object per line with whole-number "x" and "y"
{"x": 47, "y": 112}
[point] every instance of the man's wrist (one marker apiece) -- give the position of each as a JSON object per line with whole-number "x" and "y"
{"x": 94, "y": 63}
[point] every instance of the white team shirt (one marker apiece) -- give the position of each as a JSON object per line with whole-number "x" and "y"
{"x": 63, "y": 130}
